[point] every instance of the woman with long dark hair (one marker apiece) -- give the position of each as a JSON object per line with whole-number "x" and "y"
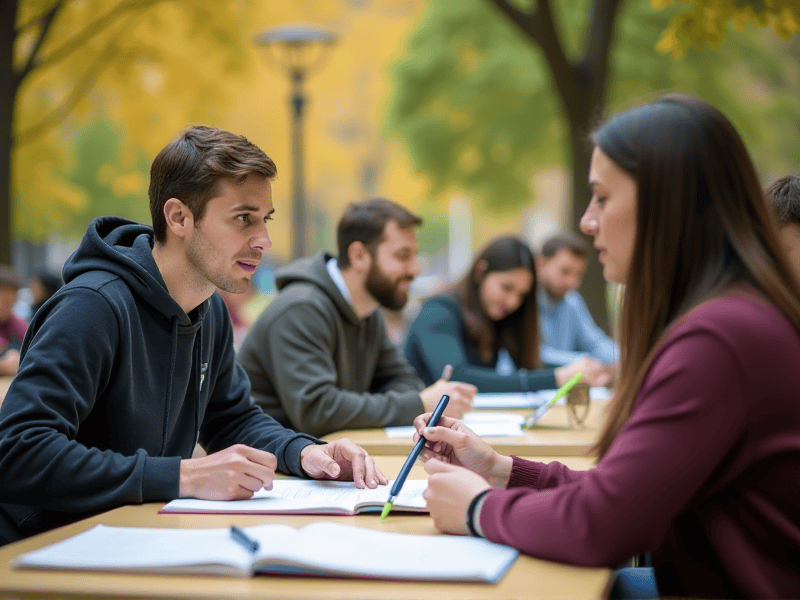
{"x": 699, "y": 459}
{"x": 486, "y": 326}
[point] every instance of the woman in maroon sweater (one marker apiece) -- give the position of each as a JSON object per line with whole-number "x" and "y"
{"x": 699, "y": 460}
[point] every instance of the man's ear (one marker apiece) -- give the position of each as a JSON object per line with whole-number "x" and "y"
{"x": 178, "y": 217}
{"x": 360, "y": 258}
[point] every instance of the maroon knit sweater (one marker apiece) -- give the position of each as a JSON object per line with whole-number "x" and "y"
{"x": 705, "y": 474}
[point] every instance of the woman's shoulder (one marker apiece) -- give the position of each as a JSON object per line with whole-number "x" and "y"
{"x": 441, "y": 302}
{"x": 739, "y": 317}
{"x": 441, "y": 306}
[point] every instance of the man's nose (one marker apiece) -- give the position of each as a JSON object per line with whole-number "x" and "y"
{"x": 261, "y": 240}
{"x": 416, "y": 268}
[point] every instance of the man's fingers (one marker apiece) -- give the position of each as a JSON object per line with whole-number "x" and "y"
{"x": 257, "y": 456}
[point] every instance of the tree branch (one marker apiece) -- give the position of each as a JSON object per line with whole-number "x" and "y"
{"x": 45, "y": 22}
{"x": 91, "y": 30}
{"x": 539, "y": 25}
{"x": 598, "y": 49}
{"x": 525, "y": 22}
{"x": 58, "y": 114}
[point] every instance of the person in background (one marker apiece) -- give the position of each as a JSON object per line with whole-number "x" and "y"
{"x": 783, "y": 195}
{"x": 567, "y": 328}
{"x": 12, "y": 327}
{"x": 486, "y": 326}
{"x": 319, "y": 357}
{"x": 699, "y": 458}
{"x": 131, "y": 363}
{"x": 42, "y": 286}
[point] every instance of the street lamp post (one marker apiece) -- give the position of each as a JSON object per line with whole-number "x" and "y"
{"x": 299, "y": 49}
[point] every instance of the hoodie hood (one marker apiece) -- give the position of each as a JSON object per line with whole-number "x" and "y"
{"x": 314, "y": 271}
{"x": 123, "y": 248}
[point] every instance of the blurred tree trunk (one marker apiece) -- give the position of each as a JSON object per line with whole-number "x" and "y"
{"x": 581, "y": 87}
{"x": 8, "y": 86}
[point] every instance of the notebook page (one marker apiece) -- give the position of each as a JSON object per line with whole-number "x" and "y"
{"x": 303, "y": 495}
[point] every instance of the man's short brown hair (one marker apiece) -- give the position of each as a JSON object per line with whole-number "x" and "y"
{"x": 9, "y": 277}
{"x": 365, "y": 222}
{"x": 190, "y": 167}
{"x": 783, "y": 196}
{"x": 571, "y": 241}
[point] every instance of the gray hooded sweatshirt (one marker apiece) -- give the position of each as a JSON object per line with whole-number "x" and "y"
{"x": 315, "y": 366}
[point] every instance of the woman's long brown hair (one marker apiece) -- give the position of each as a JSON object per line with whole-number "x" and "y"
{"x": 702, "y": 225}
{"x": 518, "y": 333}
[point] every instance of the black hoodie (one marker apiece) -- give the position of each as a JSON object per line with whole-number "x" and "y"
{"x": 116, "y": 385}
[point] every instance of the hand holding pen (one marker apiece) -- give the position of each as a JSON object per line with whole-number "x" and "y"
{"x": 412, "y": 458}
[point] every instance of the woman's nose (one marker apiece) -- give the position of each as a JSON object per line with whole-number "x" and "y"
{"x": 588, "y": 222}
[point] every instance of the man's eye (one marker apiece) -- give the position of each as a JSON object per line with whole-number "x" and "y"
{"x": 244, "y": 218}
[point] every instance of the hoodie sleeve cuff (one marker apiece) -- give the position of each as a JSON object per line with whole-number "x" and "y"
{"x": 161, "y": 480}
{"x": 291, "y": 454}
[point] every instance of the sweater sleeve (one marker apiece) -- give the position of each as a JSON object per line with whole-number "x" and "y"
{"x": 436, "y": 338}
{"x": 393, "y": 373}
{"x": 298, "y": 356}
{"x": 686, "y": 420}
{"x": 66, "y": 358}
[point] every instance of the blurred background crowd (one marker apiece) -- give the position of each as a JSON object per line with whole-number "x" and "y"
{"x": 471, "y": 113}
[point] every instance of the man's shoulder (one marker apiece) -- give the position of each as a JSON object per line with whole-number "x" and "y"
{"x": 300, "y": 302}
{"x": 297, "y": 294}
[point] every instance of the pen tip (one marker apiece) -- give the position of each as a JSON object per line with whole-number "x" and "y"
{"x": 386, "y": 508}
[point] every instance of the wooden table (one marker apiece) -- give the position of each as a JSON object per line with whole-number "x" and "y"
{"x": 5, "y": 382}
{"x": 552, "y": 436}
{"x": 527, "y": 578}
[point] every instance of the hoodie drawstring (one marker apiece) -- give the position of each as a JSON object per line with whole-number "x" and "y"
{"x": 173, "y": 357}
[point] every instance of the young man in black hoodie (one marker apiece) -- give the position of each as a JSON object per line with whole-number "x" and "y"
{"x": 131, "y": 363}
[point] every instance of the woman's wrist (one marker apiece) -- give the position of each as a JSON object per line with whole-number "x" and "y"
{"x": 500, "y": 471}
{"x": 474, "y": 514}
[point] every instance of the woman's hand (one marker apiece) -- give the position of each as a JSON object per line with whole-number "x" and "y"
{"x": 453, "y": 442}
{"x": 450, "y": 491}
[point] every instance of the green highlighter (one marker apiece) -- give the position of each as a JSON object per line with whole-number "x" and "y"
{"x": 562, "y": 391}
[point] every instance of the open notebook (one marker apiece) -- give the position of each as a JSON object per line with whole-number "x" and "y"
{"x": 322, "y": 549}
{"x": 304, "y": 496}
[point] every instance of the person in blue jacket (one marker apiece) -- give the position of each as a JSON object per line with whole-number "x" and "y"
{"x": 486, "y": 326}
{"x": 131, "y": 363}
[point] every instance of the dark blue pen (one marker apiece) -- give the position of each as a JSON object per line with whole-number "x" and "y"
{"x": 245, "y": 540}
{"x": 412, "y": 458}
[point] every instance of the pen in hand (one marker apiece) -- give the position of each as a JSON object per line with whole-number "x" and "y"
{"x": 245, "y": 540}
{"x": 412, "y": 458}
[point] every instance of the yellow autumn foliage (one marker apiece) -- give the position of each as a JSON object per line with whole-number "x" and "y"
{"x": 700, "y": 22}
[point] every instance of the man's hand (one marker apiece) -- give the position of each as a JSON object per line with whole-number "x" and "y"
{"x": 595, "y": 373}
{"x": 461, "y": 395}
{"x": 343, "y": 460}
{"x": 231, "y": 474}
{"x": 9, "y": 362}
{"x": 450, "y": 490}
